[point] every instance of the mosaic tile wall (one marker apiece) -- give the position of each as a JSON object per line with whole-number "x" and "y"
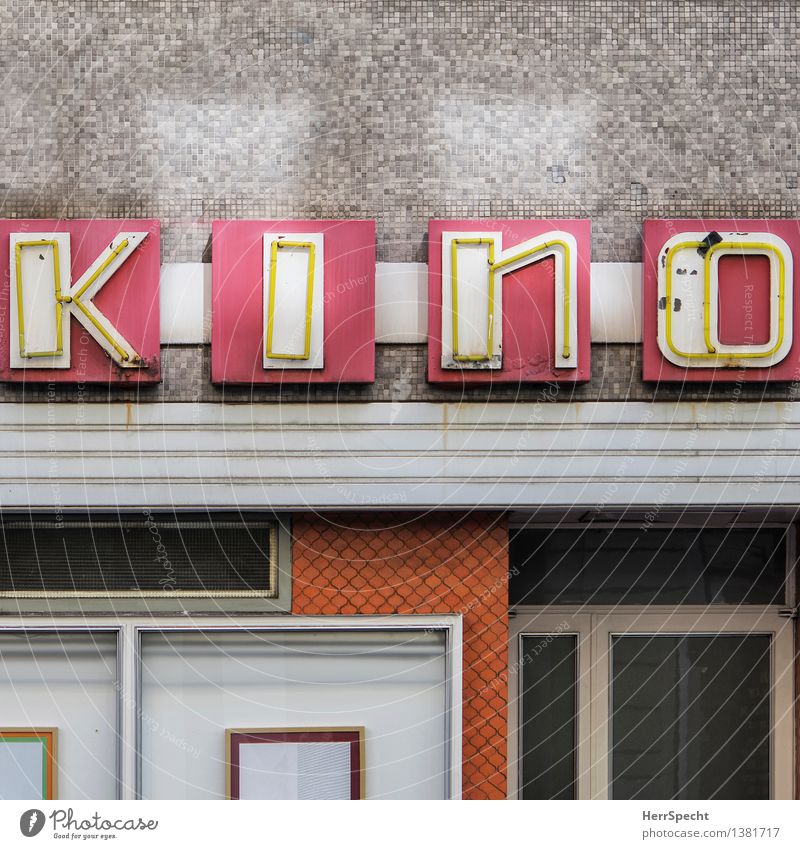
{"x": 400, "y": 376}
{"x": 188, "y": 110}
{"x": 399, "y": 110}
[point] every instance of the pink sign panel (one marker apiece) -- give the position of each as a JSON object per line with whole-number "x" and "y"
{"x": 249, "y": 309}
{"x": 541, "y": 290}
{"x": 79, "y": 301}
{"x": 719, "y": 301}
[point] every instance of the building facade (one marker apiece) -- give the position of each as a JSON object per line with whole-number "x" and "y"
{"x": 398, "y": 403}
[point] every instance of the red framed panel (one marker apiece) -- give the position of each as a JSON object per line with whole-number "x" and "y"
{"x": 237, "y": 334}
{"x": 738, "y": 324}
{"x": 528, "y": 306}
{"x": 129, "y": 300}
{"x": 354, "y": 736}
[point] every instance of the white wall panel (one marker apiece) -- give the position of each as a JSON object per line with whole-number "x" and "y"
{"x": 401, "y": 302}
{"x": 616, "y": 314}
{"x": 469, "y": 318}
{"x": 185, "y": 303}
{"x": 296, "y": 282}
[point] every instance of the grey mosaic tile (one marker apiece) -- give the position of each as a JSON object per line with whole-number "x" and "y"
{"x": 189, "y": 110}
{"x": 399, "y": 377}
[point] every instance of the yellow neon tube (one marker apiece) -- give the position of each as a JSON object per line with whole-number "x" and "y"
{"x": 76, "y": 299}
{"x": 273, "y": 270}
{"x": 712, "y": 352}
{"x": 567, "y": 294}
{"x": 471, "y": 358}
{"x": 53, "y": 243}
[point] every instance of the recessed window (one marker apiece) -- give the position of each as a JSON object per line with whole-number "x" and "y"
{"x": 651, "y": 705}
{"x": 690, "y": 716}
{"x": 648, "y": 566}
{"x": 143, "y": 554}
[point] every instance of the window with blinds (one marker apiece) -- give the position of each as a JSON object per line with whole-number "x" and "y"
{"x": 145, "y": 554}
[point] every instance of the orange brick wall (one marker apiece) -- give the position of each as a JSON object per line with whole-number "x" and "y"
{"x": 438, "y": 563}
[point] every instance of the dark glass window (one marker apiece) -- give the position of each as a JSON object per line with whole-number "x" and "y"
{"x": 145, "y": 552}
{"x": 690, "y": 717}
{"x": 548, "y": 710}
{"x": 653, "y": 566}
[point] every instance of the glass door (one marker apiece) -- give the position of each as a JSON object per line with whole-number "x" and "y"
{"x": 655, "y": 704}
{"x": 549, "y": 728}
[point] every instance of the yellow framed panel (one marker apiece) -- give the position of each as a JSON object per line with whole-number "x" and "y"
{"x": 76, "y": 299}
{"x": 472, "y": 358}
{"x": 53, "y": 245}
{"x": 711, "y": 352}
{"x": 498, "y": 263}
{"x": 277, "y": 245}
{"x": 567, "y": 305}
{"x": 71, "y": 298}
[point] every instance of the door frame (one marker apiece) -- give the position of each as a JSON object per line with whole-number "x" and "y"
{"x": 594, "y": 627}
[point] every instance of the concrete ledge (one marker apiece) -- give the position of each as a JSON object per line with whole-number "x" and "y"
{"x": 299, "y": 456}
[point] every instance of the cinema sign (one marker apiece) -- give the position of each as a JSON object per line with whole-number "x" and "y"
{"x": 508, "y": 301}
{"x": 80, "y": 301}
{"x": 719, "y": 300}
{"x": 294, "y": 301}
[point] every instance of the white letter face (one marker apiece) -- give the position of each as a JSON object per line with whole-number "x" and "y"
{"x": 43, "y": 299}
{"x": 294, "y": 300}
{"x": 689, "y": 301}
{"x": 473, "y": 267}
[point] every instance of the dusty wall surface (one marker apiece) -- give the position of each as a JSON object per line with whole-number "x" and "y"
{"x": 189, "y": 110}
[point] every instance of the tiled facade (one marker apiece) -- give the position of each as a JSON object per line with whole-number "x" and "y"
{"x": 439, "y": 563}
{"x": 189, "y": 110}
{"x": 400, "y": 376}
{"x": 193, "y": 110}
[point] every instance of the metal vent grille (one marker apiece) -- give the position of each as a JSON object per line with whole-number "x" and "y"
{"x": 149, "y": 555}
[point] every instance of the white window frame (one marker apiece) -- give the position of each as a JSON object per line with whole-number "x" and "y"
{"x": 594, "y": 627}
{"x": 129, "y": 680}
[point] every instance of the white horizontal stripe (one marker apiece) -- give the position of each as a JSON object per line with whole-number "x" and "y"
{"x": 616, "y": 301}
{"x": 185, "y": 303}
{"x": 401, "y": 302}
{"x": 403, "y": 455}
